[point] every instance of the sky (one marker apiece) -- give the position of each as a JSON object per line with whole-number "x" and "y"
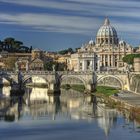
{"x": 53, "y": 25}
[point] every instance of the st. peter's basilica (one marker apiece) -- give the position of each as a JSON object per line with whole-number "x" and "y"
{"x": 105, "y": 53}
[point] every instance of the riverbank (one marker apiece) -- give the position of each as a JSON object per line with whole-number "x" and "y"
{"x": 124, "y": 101}
{"x": 106, "y": 91}
{"x": 128, "y": 101}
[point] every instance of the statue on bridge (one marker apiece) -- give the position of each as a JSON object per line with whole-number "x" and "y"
{"x": 20, "y": 79}
{"x": 128, "y": 68}
{"x": 27, "y": 65}
{"x": 16, "y": 66}
{"x": 53, "y": 68}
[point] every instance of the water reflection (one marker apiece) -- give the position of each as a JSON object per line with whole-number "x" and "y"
{"x": 36, "y": 104}
{"x": 5, "y": 91}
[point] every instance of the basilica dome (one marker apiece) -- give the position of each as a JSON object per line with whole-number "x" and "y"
{"x": 107, "y": 34}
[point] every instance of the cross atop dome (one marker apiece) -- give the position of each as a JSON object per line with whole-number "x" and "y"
{"x": 106, "y": 22}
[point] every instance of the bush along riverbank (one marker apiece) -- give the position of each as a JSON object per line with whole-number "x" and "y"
{"x": 106, "y": 91}
{"x": 80, "y": 88}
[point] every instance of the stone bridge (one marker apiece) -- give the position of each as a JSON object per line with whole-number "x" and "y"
{"x": 114, "y": 79}
{"x": 54, "y": 80}
{"x": 89, "y": 79}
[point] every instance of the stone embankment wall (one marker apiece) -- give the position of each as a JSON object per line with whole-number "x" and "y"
{"x": 135, "y": 84}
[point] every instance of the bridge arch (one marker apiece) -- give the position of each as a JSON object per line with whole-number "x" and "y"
{"x": 110, "y": 80}
{"x": 7, "y": 79}
{"x": 72, "y": 79}
{"x": 25, "y": 79}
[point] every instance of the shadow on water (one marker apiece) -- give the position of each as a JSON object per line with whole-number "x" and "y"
{"x": 16, "y": 99}
{"x": 8, "y": 103}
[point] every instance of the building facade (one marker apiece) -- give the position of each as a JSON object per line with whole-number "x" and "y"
{"x": 105, "y": 53}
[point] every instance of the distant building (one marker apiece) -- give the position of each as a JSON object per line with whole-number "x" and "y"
{"x": 36, "y": 64}
{"x": 105, "y": 53}
{"x": 23, "y": 64}
{"x": 37, "y": 60}
{"x": 136, "y": 64}
{"x": 36, "y": 53}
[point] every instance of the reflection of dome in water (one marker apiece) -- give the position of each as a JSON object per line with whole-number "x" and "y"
{"x": 107, "y": 34}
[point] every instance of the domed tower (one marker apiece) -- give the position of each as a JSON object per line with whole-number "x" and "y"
{"x": 106, "y": 35}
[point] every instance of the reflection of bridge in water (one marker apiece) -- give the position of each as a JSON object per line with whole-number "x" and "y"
{"x": 69, "y": 104}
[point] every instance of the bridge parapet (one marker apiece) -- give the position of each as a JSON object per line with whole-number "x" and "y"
{"x": 68, "y": 72}
{"x": 111, "y": 72}
{"x": 89, "y": 78}
{"x": 47, "y": 72}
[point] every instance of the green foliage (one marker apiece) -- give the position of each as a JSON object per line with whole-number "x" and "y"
{"x": 66, "y": 86}
{"x": 106, "y": 90}
{"x": 58, "y": 66}
{"x": 130, "y": 58}
{"x": 11, "y": 45}
{"x": 49, "y": 66}
{"x": 80, "y": 88}
{"x": 66, "y": 51}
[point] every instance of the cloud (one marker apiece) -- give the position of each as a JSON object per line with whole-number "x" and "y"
{"x": 50, "y": 22}
{"x": 65, "y": 24}
{"x": 47, "y": 4}
{"x": 78, "y": 16}
{"x": 76, "y": 4}
{"x": 114, "y": 8}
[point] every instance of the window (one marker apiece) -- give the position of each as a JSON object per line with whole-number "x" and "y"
{"x": 115, "y": 64}
{"x": 106, "y": 41}
{"x": 110, "y": 40}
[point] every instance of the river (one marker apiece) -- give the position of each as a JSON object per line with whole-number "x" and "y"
{"x": 69, "y": 115}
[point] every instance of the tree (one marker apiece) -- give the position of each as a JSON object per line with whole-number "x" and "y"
{"x": 70, "y": 50}
{"x": 58, "y": 66}
{"x": 17, "y": 45}
{"x": 49, "y": 66}
{"x": 11, "y": 45}
{"x": 7, "y": 43}
{"x": 66, "y": 51}
{"x": 23, "y": 49}
{"x": 129, "y": 59}
{"x": 31, "y": 48}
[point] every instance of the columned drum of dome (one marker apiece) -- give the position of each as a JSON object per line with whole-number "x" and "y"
{"x": 106, "y": 34}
